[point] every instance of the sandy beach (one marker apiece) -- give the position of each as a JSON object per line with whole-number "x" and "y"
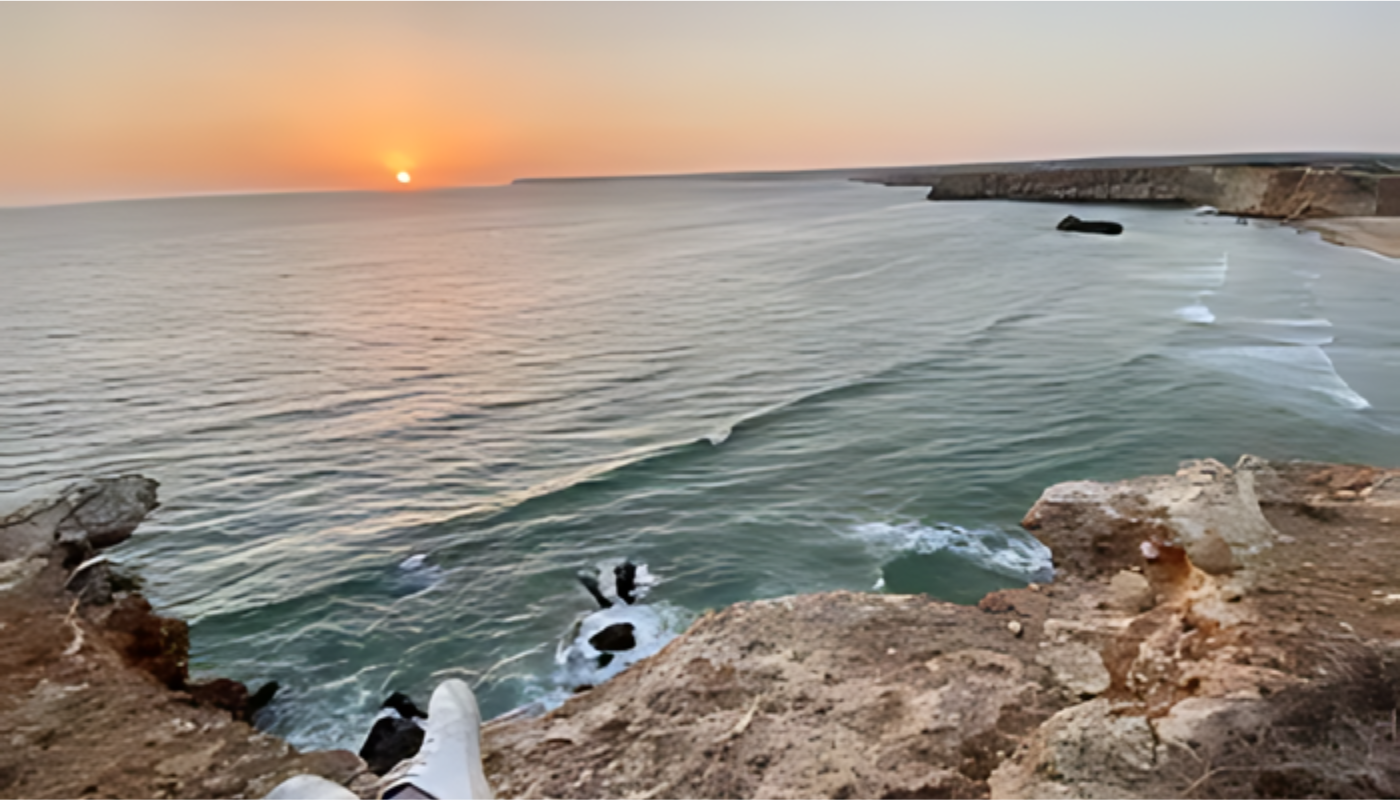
{"x": 1378, "y": 234}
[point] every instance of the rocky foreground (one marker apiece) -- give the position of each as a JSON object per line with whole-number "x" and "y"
{"x": 1219, "y": 632}
{"x": 95, "y": 695}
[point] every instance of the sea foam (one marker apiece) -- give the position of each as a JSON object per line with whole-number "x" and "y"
{"x": 1304, "y": 366}
{"x": 995, "y": 550}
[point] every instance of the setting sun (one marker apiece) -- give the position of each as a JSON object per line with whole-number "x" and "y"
{"x": 404, "y": 177}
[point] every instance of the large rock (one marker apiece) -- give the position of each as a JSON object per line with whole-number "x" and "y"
{"x": 1096, "y": 529}
{"x": 84, "y": 517}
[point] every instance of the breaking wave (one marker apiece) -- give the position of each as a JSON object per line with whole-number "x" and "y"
{"x": 1006, "y": 554}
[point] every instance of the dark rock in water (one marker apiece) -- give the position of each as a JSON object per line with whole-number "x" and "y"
{"x": 591, "y": 584}
{"x": 604, "y": 660}
{"x": 405, "y": 707}
{"x": 1077, "y": 225}
{"x": 625, "y": 575}
{"x": 262, "y": 697}
{"x": 391, "y": 740}
{"x": 615, "y": 638}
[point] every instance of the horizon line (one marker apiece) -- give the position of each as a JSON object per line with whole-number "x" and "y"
{"x": 1276, "y": 157}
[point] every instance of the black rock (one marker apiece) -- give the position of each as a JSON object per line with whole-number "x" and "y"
{"x": 615, "y": 638}
{"x": 406, "y": 708}
{"x": 262, "y": 697}
{"x": 1077, "y": 225}
{"x": 626, "y": 581}
{"x": 391, "y": 740}
{"x": 591, "y": 584}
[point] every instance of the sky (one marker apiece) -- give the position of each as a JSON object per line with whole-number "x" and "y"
{"x": 116, "y": 100}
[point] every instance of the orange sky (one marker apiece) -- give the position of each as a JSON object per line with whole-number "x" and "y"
{"x": 123, "y": 100}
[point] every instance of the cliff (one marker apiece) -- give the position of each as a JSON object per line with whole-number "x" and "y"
{"x": 1217, "y": 632}
{"x": 1289, "y": 189}
{"x": 95, "y": 695}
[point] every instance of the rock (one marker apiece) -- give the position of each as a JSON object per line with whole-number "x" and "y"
{"x": 158, "y": 645}
{"x": 1093, "y": 529}
{"x": 14, "y": 574}
{"x": 1076, "y": 225}
{"x": 1077, "y": 667}
{"x": 262, "y": 697}
{"x": 1014, "y": 627}
{"x": 391, "y": 740}
{"x": 84, "y": 516}
{"x": 110, "y": 515}
{"x": 1083, "y": 751}
{"x": 404, "y": 706}
{"x": 1212, "y": 554}
{"x": 614, "y": 638}
{"x": 625, "y": 579}
{"x": 92, "y": 581}
{"x": 339, "y": 766}
{"x": 230, "y": 695}
{"x": 1130, "y": 592}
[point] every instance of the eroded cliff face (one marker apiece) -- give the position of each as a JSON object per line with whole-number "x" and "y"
{"x": 1217, "y": 632}
{"x": 1278, "y": 192}
{"x": 95, "y": 695}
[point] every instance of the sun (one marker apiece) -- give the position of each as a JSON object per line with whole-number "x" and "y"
{"x": 404, "y": 177}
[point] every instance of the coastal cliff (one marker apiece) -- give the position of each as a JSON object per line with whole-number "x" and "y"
{"x": 1213, "y": 633}
{"x": 95, "y": 694}
{"x": 1291, "y": 189}
{"x": 1217, "y": 632}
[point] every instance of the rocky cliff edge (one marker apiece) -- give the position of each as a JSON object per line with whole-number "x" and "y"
{"x": 95, "y": 694}
{"x": 1218, "y": 632}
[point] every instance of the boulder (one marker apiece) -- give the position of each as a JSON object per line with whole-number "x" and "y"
{"x": 84, "y": 517}
{"x": 1076, "y": 225}
{"x": 615, "y": 638}
{"x": 391, "y": 740}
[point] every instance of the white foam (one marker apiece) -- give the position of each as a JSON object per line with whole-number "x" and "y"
{"x": 1197, "y": 313}
{"x": 417, "y": 575}
{"x": 1015, "y": 556}
{"x": 653, "y": 626}
{"x": 1299, "y": 323}
{"x": 643, "y": 580}
{"x": 719, "y": 437}
{"x": 1302, "y": 366}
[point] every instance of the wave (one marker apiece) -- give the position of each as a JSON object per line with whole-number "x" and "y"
{"x": 630, "y": 461}
{"x": 1006, "y": 554}
{"x": 1197, "y": 313}
{"x": 1306, "y": 366}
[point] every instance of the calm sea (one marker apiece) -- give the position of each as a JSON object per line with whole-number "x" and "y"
{"x": 391, "y": 428}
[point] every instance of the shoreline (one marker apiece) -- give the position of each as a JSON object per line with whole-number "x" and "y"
{"x": 1190, "y": 614}
{"x": 1213, "y": 633}
{"x": 1378, "y": 235}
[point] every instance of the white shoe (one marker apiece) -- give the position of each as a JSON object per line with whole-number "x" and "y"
{"x": 448, "y": 765}
{"x": 310, "y": 787}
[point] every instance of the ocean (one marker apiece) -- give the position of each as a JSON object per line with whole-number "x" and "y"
{"x": 391, "y": 428}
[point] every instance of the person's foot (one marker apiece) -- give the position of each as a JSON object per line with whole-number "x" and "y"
{"x": 448, "y": 765}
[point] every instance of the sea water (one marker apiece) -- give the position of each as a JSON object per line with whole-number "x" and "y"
{"x": 391, "y": 428}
